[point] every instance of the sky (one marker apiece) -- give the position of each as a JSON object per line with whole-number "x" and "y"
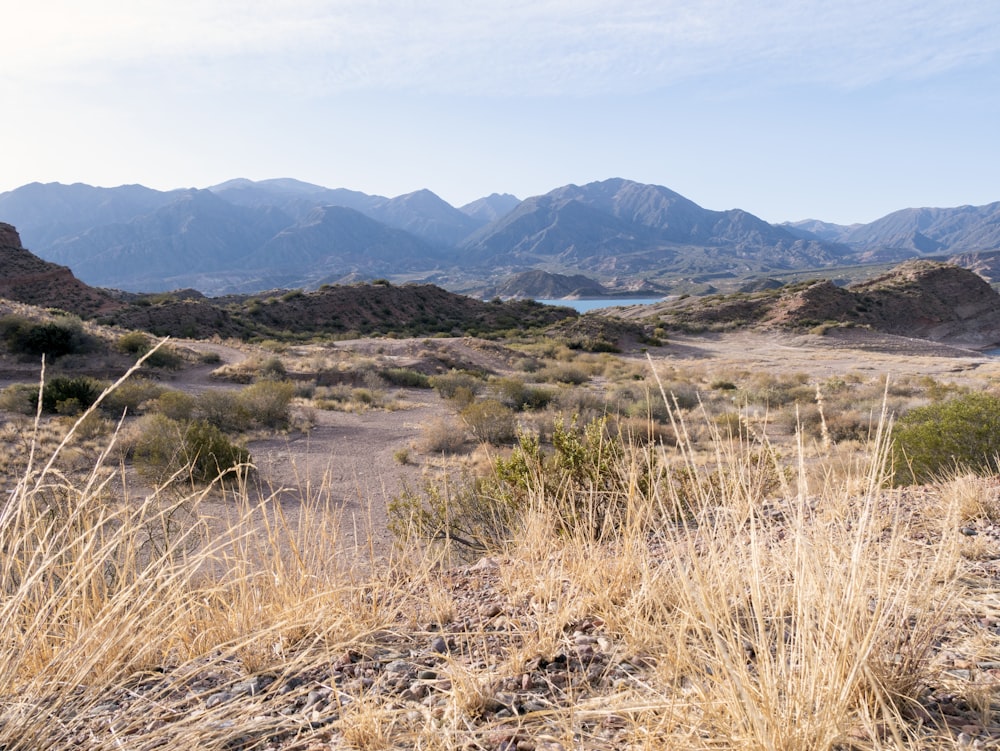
{"x": 840, "y": 110}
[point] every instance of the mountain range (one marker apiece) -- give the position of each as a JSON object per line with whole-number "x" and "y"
{"x": 244, "y": 236}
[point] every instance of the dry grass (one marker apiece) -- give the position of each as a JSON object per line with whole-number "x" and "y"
{"x": 746, "y": 608}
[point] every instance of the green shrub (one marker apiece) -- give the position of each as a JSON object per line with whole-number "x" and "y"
{"x": 133, "y": 343}
{"x": 268, "y": 402}
{"x": 52, "y": 338}
{"x": 516, "y": 394}
{"x": 177, "y": 405}
{"x": 21, "y": 398}
{"x": 136, "y": 343}
{"x": 130, "y": 396}
{"x": 168, "y": 449}
{"x": 490, "y": 421}
{"x": 963, "y": 432}
{"x": 406, "y": 378}
{"x": 448, "y": 384}
{"x": 80, "y": 391}
{"x": 224, "y": 409}
{"x": 591, "y": 481}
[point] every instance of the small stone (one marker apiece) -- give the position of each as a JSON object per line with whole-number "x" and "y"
{"x": 218, "y": 698}
{"x": 401, "y": 667}
{"x": 427, "y": 675}
{"x": 969, "y": 531}
{"x": 439, "y": 645}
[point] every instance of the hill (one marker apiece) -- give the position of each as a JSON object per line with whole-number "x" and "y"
{"x": 24, "y": 277}
{"x": 921, "y": 299}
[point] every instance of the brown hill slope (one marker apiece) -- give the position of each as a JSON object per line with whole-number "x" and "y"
{"x": 920, "y": 299}
{"x": 26, "y": 278}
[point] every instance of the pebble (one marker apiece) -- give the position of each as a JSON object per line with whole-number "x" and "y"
{"x": 439, "y": 645}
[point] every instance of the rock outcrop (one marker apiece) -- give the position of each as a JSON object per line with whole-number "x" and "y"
{"x": 26, "y": 278}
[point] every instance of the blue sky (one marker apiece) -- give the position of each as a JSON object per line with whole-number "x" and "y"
{"x": 839, "y": 110}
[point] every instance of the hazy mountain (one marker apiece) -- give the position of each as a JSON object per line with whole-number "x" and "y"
{"x": 618, "y": 225}
{"x": 244, "y": 235}
{"x": 492, "y": 207}
{"x": 45, "y": 212}
{"x": 427, "y": 216}
{"x": 294, "y": 197}
{"x": 196, "y": 232}
{"x": 334, "y": 241}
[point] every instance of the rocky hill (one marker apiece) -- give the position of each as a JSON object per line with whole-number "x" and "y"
{"x": 921, "y": 299}
{"x": 24, "y": 277}
{"x": 544, "y": 285}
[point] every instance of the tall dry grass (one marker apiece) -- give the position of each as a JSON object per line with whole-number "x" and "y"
{"x": 734, "y": 614}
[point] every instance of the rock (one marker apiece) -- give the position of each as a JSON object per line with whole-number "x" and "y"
{"x": 439, "y": 645}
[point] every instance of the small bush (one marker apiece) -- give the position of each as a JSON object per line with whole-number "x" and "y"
{"x": 130, "y": 396}
{"x": 224, "y": 409}
{"x": 563, "y": 373}
{"x": 490, "y": 422}
{"x": 52, "y": 338}
{"x": 448, "y": 384}
{"x": 963, "y": 432}
{"x": 442, "y": 436}
{"x": 133, "y": 343}
{"x": 81, "y": 392}
{"x": 177, "y": 405}
{"x": 167, "y": 449}
{"x": 406, "y": 378}
{"x": 517, "y": 395}
{"x": 268, "y": 402}
{"x": 21, "y": 398}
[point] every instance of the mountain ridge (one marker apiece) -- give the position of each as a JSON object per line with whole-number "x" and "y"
{"x": 614, "y": 231}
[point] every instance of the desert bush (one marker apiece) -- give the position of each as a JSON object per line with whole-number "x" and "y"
{"x": 563, "y": 373}
{"x": 589, "y": 482}
{"x": 131, "y": 395}
{"x": 137, "y": 343}
{"x": 63, "y": 336}
{"x": 448, "y": 384}
{"x": 518, "y": 395}
{"x": 490, "y": 421}
{"x": 20, "y": 398}
{"x": 224, "y": 409}
{"x": 79, "y": 393}
{"x": 268, "y": 402}
{"x": 168, "y": 449}
{"x": 442, "y": 436}
{"x": 177, "y": 405}
{"x": 405, "y": 378}
{"x": 961, "y": 433}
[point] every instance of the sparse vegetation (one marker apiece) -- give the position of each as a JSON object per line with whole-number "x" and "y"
{"x": 710, "y": 555}
{"x": 936, "y": 440}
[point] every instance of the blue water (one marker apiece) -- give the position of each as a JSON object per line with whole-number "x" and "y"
{"x": 583, "y": 306}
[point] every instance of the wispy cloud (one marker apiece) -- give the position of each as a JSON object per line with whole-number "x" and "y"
{"x": 541, "y": 47}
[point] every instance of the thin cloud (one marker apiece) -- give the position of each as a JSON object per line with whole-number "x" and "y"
{"x": 542, "y": 47}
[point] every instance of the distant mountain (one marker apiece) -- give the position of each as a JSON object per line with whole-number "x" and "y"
{"x": 619, "y": 226}
{"x": 926, "y": 231}
{"x": 197, "y": 232}
{"x": 43, "y": 213}
{"x": 427, "y": 216}
{"x": 333, "y": 241}
{"x": 490, "y": 208}
{"x": 422, "y": 213}
{"x": 245, "y": 236}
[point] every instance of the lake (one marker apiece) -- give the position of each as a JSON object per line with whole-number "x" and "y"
{"x": 583, "y": 306}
